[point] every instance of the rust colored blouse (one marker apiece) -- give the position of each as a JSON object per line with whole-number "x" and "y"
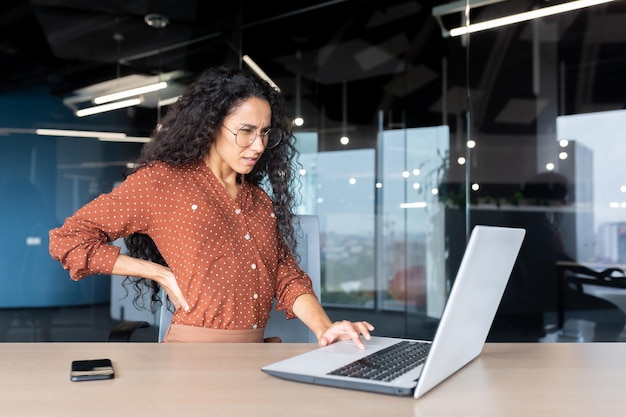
{"x": 227, "y": 255}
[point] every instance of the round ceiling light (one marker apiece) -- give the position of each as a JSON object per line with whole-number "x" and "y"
{"x": 156, "y": 20}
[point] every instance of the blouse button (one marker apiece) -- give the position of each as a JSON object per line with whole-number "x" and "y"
{"x": 255, "y": 296}
{"x": 247, "y": 236}
{"x": 253, "y": 266}
{"x": 272, "y": 215}
{"x": 238, "y": 211}
{"x": 254, "y": 326}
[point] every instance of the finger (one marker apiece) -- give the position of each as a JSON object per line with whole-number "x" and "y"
{"x": 178, "y": 300}
{"x": 357, "y": 341}
{"x": 184, "y": 304}
{"x": 176, "y": 295}
{"x": 365, "y": 328}
{"x": 354, "y": 332}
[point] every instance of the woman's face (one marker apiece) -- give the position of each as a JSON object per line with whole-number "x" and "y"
{"x": 249, "y": 121}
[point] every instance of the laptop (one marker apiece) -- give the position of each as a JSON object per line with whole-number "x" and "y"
{"x": 461, "y": 334}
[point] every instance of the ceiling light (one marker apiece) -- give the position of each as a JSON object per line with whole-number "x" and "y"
{"x": 168, "y": 101}
{"x": 157, "y": 21}
{"x": 457, "y": 6}
{"x": 80, "y": 133}
{"x": 130, "y": 92}
{"x": 259, "y": 71}
{"x": 68, "y": 133}
{"x": 147, "y": 91}
{"x": 417, "y": 204}
{"x": 131, "y": 139}
{"x": 108, "y": 107}
{"x": 507, "y": 20}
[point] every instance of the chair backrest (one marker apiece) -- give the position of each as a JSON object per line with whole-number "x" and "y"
{"x": 290, "y": 331}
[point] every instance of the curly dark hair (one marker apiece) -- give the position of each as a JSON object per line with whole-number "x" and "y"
{"x": 187, "y": 131}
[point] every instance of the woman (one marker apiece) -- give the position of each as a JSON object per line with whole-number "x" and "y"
{"x": 198, "y": 224}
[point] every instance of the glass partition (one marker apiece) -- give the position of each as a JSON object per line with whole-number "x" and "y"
{"x": 544, "y": 117}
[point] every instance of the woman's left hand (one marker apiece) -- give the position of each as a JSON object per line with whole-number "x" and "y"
{"x": 344, "y": 330}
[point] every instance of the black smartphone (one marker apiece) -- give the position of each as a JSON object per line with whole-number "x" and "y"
{"x": 91, "y": 370}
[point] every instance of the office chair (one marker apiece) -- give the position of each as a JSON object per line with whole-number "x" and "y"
{"x": 289, "y": 331}
{"x": 575, "y": 278}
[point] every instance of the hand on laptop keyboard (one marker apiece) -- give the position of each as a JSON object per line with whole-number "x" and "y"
{"x": 345, "y": 330}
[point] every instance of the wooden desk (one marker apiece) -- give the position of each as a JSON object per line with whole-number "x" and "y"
{"x": 508, "y": 380}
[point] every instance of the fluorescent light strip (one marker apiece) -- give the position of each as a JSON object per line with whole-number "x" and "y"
{"x": 133, "y": 139}
{"x": 168, "y": 101}
{"x": 461, "y": 5}
{"x": 417, "y": 204}
{"x": 259, "y": 71}
{"x": 129, "y": 93}
{"x": 521, "y": 17}
{"x": 81, "y": 134}
{"x": 108, "y": 107}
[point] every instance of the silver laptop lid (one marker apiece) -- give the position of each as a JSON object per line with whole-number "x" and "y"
{"x": 471, "y": 307}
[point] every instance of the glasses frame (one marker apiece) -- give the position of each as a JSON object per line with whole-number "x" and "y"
{"x": 256, "y": 134}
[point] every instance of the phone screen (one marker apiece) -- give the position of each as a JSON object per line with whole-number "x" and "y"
{"x": 92, "y": 369}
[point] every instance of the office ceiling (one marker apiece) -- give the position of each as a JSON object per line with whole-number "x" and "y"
{"x": 309, "y": 48}
{"x": 74, "y": 42}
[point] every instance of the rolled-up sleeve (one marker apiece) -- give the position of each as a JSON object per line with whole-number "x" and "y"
{"x": 81, "y": 249}
{"x": 292, "y": 282}
{"x": 83, "y": 243}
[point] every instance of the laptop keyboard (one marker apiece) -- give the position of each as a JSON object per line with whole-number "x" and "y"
{"x": 387, "y": 364}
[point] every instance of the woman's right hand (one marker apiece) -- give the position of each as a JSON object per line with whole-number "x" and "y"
{"x": 128, "y": 266}
{"x": 170, "y": 285}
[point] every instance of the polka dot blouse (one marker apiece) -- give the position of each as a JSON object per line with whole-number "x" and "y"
{"x": 224, "y": 253}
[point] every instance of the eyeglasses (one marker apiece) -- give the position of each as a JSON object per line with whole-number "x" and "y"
{"x": 245, "y": 136}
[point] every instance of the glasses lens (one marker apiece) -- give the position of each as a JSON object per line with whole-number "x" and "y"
{"x": 272, "y": 137}
{"x": 246, "y": 136}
